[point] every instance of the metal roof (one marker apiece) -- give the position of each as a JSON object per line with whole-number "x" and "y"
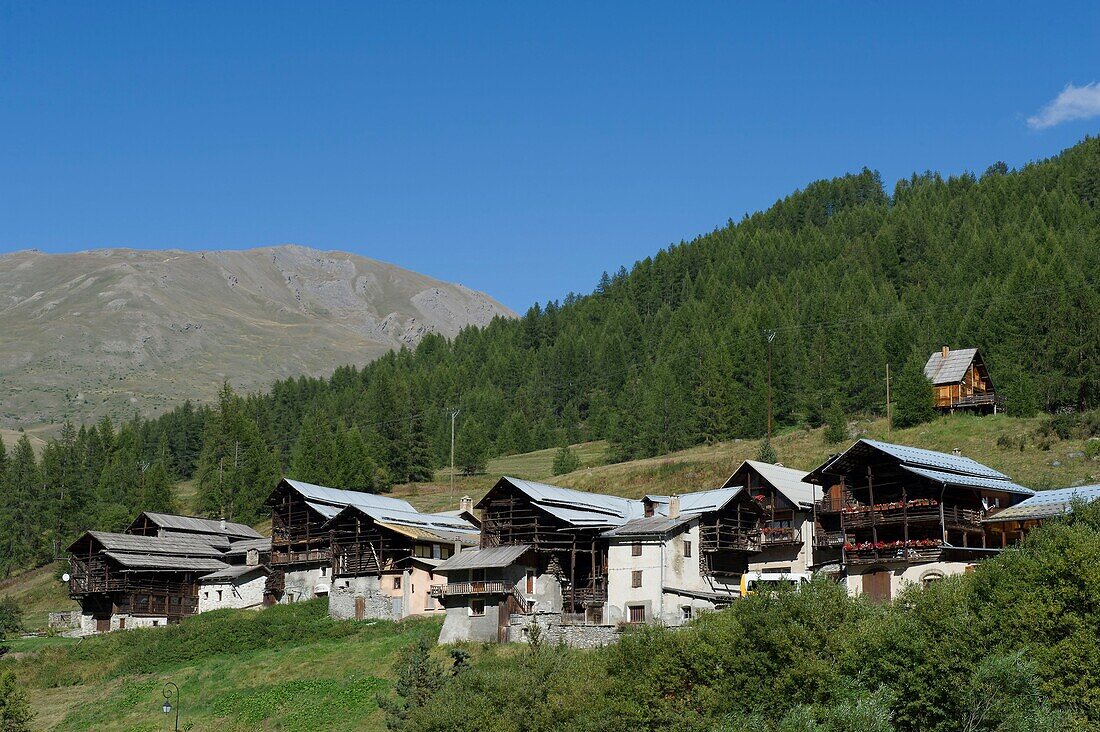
{"x": 146, "y": 563}
{"x": 911, "y": 456}
{"x": 419, "y": 533}
{"x": 492, "y": 557}
{"x": 445, "y": 528}
{"x": 199, "y": 525}
{"x": 324, "y": 509}
{"x": 242, "y": 546}
{"x": 577, "y": 507}
{"x": 970, "y": 481}
{"x": 155, "y": 545}
{"x": 233, "y": 572}
{"x": 1045, "y": 504}
{"x": 787, "y": 481}
{"x": 340, "y": 498}
{"x": 950, "y": 370}
{"x": 649, "y": 526}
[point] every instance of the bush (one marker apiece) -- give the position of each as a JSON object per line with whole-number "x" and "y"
{"x": 565, "y": 461}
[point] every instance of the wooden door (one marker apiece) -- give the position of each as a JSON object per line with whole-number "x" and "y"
{"x": 102, "y": 625}
{"x": 876, "y": 585}
{"x": 122, "y": 623}
{"x": 503, "y": 618}
{"x": 360, "y": 607}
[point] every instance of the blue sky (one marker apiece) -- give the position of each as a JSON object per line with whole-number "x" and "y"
{"x": 517, "y": 148}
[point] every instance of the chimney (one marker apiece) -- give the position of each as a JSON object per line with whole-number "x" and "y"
{"x": 223, "y": 524}
{"x": 944, "y": 351}
{"x": 956, "y": 451}
{"x": 466, "y": 504}
{"x": 674, "y": 507}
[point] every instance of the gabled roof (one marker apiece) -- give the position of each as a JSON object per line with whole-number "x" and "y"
{"x": 970, "y": 481}
{"x": 950, "y": 370}
{"x": 198, "y": 525}
{"x": 907, "y": 456}
{"x": 239, "y": 548}
{"x": 576, "y": 508}
{"x": 490, "y": 558}
{"x": 335, "y": 497}
{"x": 146, "y": 563}
{"x": 415, "y": 525}
{"x": 658, "y": 525}
{"x": 1045, "y": 504}
{"x": 788, "y": 481}
{"x": 152, "y": 545}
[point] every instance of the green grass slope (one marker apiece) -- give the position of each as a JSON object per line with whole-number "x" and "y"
{"x": 286, "y": 668}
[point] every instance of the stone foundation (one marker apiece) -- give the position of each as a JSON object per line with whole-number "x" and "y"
{"x": 555, "y": 633}
{"x": 343, "y": 594}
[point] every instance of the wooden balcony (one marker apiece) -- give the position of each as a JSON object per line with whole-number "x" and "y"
{"x": 892, "y": 514}
{"x": 284, "y": 556}
{"x": 727, "y": 537}
{"x": 463, "y": 589}
{"x": 780, "y": 537}
{"x": 830, "y": 539}
{"x": 890, "y": 555}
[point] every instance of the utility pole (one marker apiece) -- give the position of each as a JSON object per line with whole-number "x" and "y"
{"x": 771, "y": 336}
{"x": 889, "y": 420}
{"x": 454, "y": 413}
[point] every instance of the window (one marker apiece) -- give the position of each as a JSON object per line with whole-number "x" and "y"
{"x": 637, "y": 613}
{"x": 156, "y": 623}
{"x": 446, "y": 552}
{"x": 648, "y": 508}
{"x": 636, "y": 578}
{"x": 219, "y": 595}
{"x": 477, "y": 608}
{"x": 423, "y": 551}
{"x": 636, "y": 549}
{"x": 687, "y": 548}
{"x": 929, "y": 578}
{"x": 206, "y": 595}
{"x": 324, "y": 571}
{"x": 685, "y": 613}
{"x": 437, "y": 552}
{"x": 397, "y": 583}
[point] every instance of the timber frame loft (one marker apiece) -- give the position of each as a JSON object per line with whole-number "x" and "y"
{"x": 727, "y": 537}
{"x": 575, "y": 556}
{"x": 889, "y": 504}
{"x": 960, "y": 381}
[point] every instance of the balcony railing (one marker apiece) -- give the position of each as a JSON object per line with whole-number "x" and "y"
{"x": 456, "y": 589}
{"x": 829, "y": 539}
{"x": 896, "y": 554}
{"x": 738, "y": 538}
{"x": 780, "y": 536}
{"x": 887, "y": 514}
{"x": 279, "y": 556}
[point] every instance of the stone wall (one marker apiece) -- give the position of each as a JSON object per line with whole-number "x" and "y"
{"x": 343, "y": 594}
{"x": 65, "y": 620}
{"x": 555, "y": 633}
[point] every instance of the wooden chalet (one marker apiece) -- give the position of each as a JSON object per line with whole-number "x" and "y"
{"x": 961, "y": 380}
{"x": 889, "y": 507}
{"x": 1012, "y": 524}
{"x": 785, "y": 498}
{"x": 140, "y": 580}
{"x": 562, "y": 527}
{"x": 149, "y": 523}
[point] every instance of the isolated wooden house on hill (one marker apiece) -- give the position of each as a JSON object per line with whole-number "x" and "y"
{"x": 961, "y": 380}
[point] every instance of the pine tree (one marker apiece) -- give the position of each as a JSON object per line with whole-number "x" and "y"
{"x": 471, "y": 448}
{"x": 565, "y": 460}
{"x": 358, "y": 471}
{"x": 836, "y": 424}
{"x": 315, "y": 457}
{"x": 914, "y": 398}
{"x": 22, "y": 510}
{"x": 15, "y": 710}
{"x": 766, "y": 453}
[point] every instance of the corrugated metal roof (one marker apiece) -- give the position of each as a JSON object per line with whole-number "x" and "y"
{"x": 155, "y": 545}
{"x": 200, "y": 525}
{"x": 1045, "y": 504}
{"x": 935, "y": 460}
{"x": 233, "y": 572}
{"x": 578, "y": 507}
{"x": 336, "y": 497}
{"x": 442, "y": 526}
{"x": 950, "y": 370}
{"x": 648, "y": 526}
{"x": 419, "y": 533}
{"x": 708, "y": 500}
{"x": 242, "y": 546}
{"x": 147, "y": 563}
{"x": 492, "y": 557}
{"x": 787, "y": 481}
{"x": 970, "y": 481}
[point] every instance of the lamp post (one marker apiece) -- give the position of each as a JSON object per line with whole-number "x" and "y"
{"x": 168, "y": 703}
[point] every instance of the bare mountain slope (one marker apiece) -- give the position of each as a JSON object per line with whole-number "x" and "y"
{"x": 113, "y": 330}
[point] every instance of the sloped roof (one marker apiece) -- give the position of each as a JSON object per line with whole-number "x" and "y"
{"x": 788, "y": 481}
{"x": 154, "y": 545}
{"x": 909, "y": 456}
{"x": 199, "y": 525}
{"x": 950, "y": 370}
{"x": 1045, "y": 504}
{"x": 971, "y": 481}
{"x": 430, "y": 527}
{"x": 489, "y": 558}
{"x": 241, "y": 547}
{"x": 577, "y": 508}
{"x": 233, "y": 572}
{"x": 338, "y": 498}
{"x": 420, "y": 533}
{"x": 160, "y": 563}
{"x": 649, "y": 526}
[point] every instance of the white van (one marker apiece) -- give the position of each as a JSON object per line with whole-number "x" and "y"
{"x": 753, "y": 582}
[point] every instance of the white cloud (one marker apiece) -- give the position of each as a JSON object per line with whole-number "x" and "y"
{"x": 1075, "y": 102}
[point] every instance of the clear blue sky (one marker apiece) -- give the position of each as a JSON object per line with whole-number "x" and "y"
{"x": 515, "y": 148}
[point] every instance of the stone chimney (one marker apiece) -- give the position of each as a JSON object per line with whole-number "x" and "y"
{"x": 674, "y": 507}
{"x": 223, "y": 524}
{"x": 956, "y": 451}
{"x": 944, "y": 351}
{"x": 466, "y": 504}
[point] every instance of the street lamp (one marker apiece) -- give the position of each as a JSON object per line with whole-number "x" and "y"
{"x": 168, "y": 702}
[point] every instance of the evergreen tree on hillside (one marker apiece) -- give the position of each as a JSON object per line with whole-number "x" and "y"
{"x": 315, "y": 457}
{"x": 565, "y": 460}
{"x": 766, "y": 453}
{"x": 3, "y": 460}
{"x": 471, "y": 448}
{"x": 357, "y": 470}
{"x": 156, "y": 489}
{"x": 836, "y": 425}
{"x": 913, "y": 396}
{"x": 236, "y": 471}
{"x": 21, "y": 510}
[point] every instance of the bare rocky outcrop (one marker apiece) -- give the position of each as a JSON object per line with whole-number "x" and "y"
{"x": 109, "y": 331}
